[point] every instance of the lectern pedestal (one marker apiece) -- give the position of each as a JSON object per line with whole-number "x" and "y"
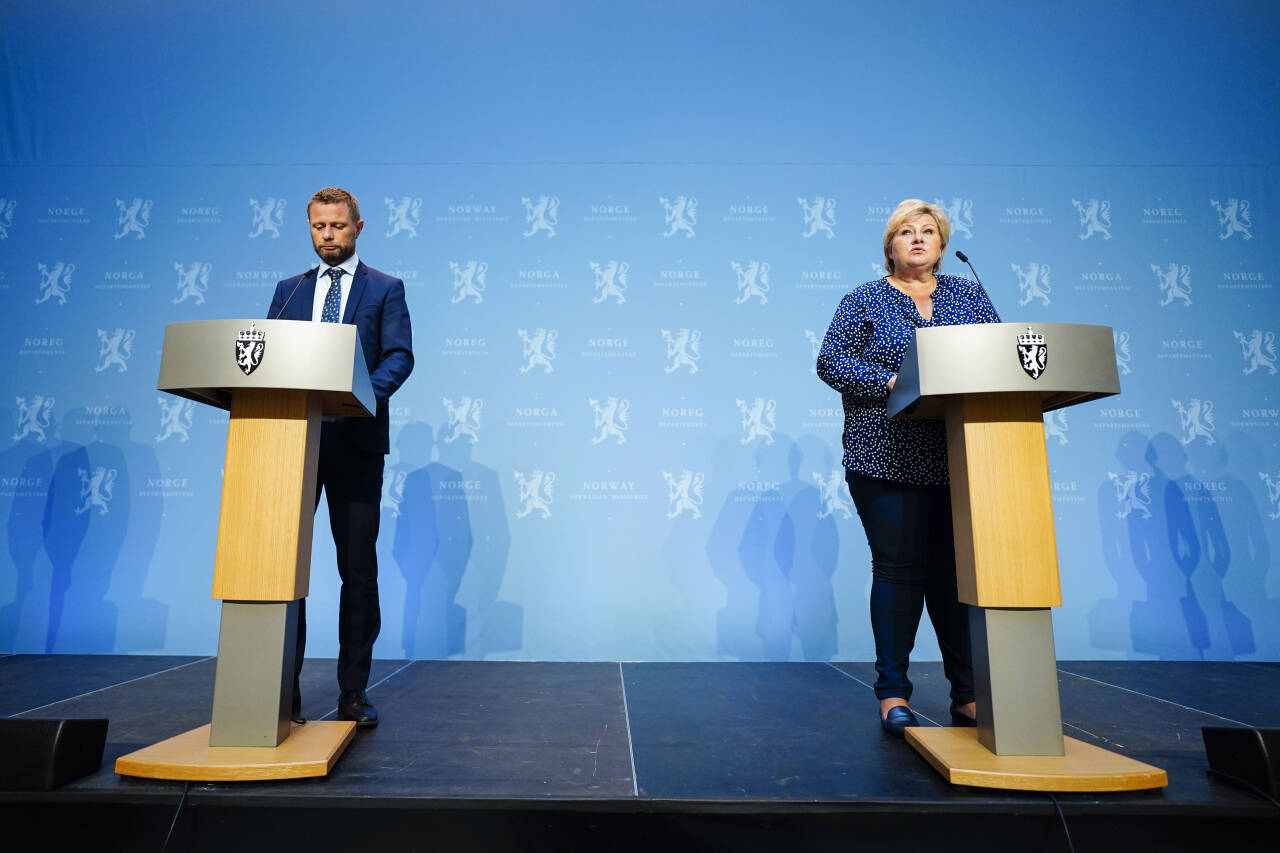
{"x": 992, "y": 383}
{"x": 277, "y": 378}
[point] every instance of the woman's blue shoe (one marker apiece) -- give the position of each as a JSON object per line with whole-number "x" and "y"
{"x": 897, "y": 720}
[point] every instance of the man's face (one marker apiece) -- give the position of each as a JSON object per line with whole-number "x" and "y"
{"x": 332, "y": 232}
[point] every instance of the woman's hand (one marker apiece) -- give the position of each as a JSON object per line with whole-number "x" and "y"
{"x": 892, "y": 379}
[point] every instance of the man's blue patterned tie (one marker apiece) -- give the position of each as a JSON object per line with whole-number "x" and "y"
{"x": 332, "y": 299}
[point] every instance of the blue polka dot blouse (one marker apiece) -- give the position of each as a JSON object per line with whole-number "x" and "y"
{"x": 864, "y": 347}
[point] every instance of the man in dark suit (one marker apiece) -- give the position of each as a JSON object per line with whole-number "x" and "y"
{"x": 343, "y": 289}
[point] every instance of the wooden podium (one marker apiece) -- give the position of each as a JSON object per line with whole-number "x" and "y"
{"x": 992, "y": 383}
{"x": 278, "y": 378}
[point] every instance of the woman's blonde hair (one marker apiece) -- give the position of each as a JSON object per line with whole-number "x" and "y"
{"x": 909, "y": 209}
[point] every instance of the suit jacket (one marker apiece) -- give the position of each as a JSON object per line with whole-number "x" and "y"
{"x": 376, "y": 307}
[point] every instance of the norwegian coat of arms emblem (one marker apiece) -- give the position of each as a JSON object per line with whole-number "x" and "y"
{"x": 250, "y": 345}
{"x": 1033, "y": 353}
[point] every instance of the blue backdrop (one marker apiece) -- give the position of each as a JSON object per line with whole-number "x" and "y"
{"x": 624, "y": 228}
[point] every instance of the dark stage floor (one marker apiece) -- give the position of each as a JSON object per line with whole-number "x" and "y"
{"x": 533, "y": 756}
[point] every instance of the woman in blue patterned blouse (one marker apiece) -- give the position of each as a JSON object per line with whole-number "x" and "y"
{"x": 897, "y": 469}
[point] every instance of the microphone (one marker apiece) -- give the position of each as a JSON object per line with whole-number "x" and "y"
{"x": 295, "y": 290}
{"x": 962, "y": 256}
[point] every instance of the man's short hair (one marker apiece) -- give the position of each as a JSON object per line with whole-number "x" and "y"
{"x": 336, "y": 195}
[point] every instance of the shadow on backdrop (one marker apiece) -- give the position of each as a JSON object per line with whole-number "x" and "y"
{"x": 1193, "y": 526}
{"x": 105, "y": 499}
{"x": 1152, "y": 549}
{"x": 86, "y": 514}
{"x": 142, "y": 621}
{"x": 451, "y": 542}
{"x": 815, "y": 498}
{"x": 1125, "y": 520}
{"x": 1245, "y": 526}
{"x": 492, "y": 626}
{"x": 416, "y": 543}
{"x": 744, "y": 551}
{"x": 26, "y": 469}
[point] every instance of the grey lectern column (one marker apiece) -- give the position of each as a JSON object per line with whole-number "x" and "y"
{"x": 253, "y": 686}
{"x": 1015, "y": 676}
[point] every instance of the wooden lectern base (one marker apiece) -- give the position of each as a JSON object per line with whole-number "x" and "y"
{"x": 962, "y": 760}
{"x": 310, "y": 750}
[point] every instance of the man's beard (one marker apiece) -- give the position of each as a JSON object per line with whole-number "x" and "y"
{"x": 337, "y": 255}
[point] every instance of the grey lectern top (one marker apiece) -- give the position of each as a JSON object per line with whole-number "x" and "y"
{"x": 207, "y": 361}
{"x": 1066, "y": 363}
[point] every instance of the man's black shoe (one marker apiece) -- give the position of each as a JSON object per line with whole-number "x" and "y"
{"x": 354, "y": 705}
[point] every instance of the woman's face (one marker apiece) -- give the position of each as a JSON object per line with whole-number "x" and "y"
{"x": 917, "y": 245}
